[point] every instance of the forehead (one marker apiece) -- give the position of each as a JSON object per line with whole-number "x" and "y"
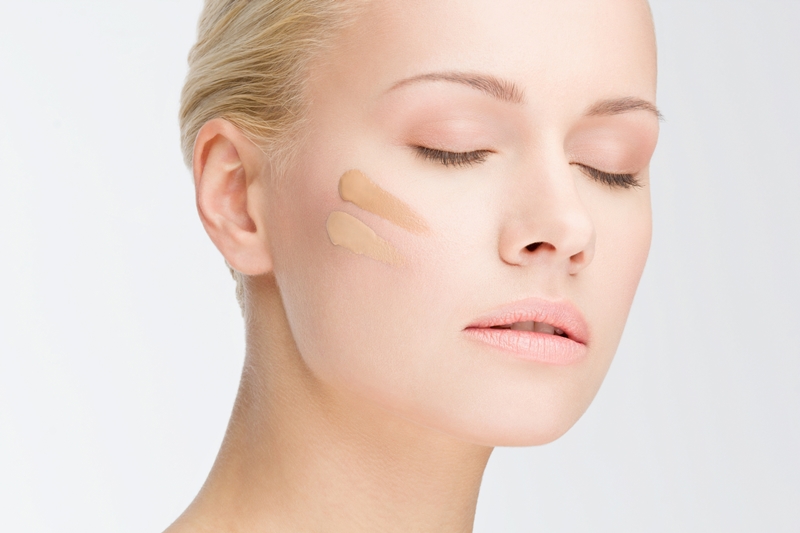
{"x": 558, "y": 51}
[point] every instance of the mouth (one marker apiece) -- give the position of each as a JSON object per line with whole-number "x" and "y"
{"x": 535, "y": 329}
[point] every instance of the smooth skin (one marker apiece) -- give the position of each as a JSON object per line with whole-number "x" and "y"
{"x": 363, "y": 406}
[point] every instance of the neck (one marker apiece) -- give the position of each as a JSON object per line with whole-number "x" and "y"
{"x": 301, "y": 456}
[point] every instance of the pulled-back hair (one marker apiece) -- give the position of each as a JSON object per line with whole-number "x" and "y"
{"x": 249, "y": 66}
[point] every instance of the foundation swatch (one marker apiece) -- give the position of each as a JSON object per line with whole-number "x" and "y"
{"x": 356, "y": 187}
{"x": 349, "y": 232}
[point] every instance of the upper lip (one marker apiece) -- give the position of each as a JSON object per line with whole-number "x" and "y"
{"x": 560, "y": 314}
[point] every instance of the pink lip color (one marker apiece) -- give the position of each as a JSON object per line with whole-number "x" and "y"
{"x": 533, "y": 346}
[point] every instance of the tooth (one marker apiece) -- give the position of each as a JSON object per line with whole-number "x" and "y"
{"x": 541, "y": 327}
{"x": 522, "y": 326}
{"x": 559, "y": 332}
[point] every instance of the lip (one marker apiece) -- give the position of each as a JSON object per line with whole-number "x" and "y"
{"x": 540, "y": 347}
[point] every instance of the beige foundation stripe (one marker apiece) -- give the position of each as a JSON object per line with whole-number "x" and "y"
{"x": 348, "y": 232}
{"x": 356, "y": 187}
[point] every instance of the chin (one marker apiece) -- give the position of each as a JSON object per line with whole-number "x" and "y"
{"x": 508, "y": 425}
{"x": 534, "y": 432}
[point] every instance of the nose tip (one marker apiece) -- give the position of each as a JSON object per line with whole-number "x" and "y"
{"x": 556, "y": 229}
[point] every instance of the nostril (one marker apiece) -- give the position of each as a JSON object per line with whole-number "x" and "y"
{"x": 533, "y": 247}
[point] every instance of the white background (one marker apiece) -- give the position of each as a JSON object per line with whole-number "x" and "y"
{"x": 121, "y": 342}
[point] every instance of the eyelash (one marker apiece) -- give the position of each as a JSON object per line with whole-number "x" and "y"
{"x": 464, "y": 159}
{"x": 623, "y": 181}
{"x": 452, "y": 159}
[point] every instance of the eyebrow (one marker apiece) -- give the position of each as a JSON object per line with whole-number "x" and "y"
{"x": 618, "y": 106}
{"x": 503, "y": 90}
{"x": 508, "y": 91}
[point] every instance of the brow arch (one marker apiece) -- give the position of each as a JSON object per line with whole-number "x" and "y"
{"x": 498, "y": 88}
{"x": 618, "y": 106}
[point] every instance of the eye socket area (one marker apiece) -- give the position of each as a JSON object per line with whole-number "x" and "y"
{"x": 622, "y": 142}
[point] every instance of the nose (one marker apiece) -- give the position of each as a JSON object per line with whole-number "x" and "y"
{"x": 547, "y": 220}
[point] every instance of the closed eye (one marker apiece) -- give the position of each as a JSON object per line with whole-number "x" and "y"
{"x": 452, "y": 159}
{"x": 463, "y": 159}
{"x": 623, "y": 181}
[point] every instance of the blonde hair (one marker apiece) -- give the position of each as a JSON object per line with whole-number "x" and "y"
{"x": 249, "y": 66}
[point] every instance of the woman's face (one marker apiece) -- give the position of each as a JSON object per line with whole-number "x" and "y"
{"x": 483, "y": 120}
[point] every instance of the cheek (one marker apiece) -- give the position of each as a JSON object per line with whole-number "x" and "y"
{"x": 353, "y": 318}
{"x": 623, "y": 243}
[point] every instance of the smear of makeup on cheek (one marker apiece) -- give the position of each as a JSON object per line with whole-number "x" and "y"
{"x": 347, "y": 231}
{"x": 357, "y": 188}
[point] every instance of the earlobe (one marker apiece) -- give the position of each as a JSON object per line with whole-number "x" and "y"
{"x": 227, "y": 175}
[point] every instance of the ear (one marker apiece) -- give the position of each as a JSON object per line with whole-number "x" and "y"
{"x": 228, "y": 181}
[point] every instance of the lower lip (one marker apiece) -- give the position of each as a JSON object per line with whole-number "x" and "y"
{"x": 531, "y": 346}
